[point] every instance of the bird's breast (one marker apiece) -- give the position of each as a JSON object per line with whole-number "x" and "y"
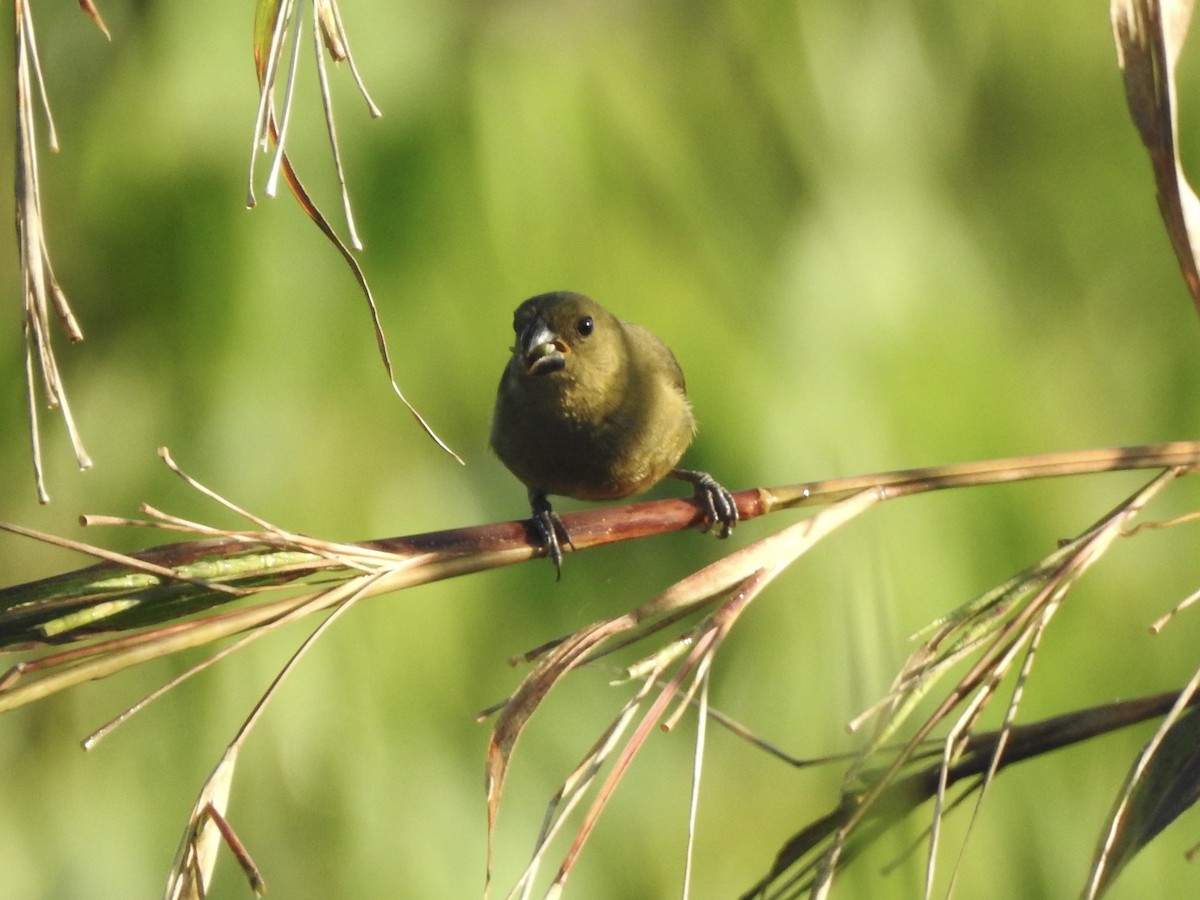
{"x": 564, "y": 437}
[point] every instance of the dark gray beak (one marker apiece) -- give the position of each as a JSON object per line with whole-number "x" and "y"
{"x": 541, "y": 350}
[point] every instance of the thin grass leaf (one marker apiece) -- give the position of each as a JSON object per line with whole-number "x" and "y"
{"x": 694, "y": 797}
{"x": 40, "y": 288}
{"x": 279, "y": 129}
{"x": 1163, "y": 783}
{"x": 322, "y": 37}
{"x": 574, "y": 787}
{"x": 329, "y": 19}
{"x": 772, "y": 553}
{"x": 90, "y": 10}
{"x": 703, "y": 642}
{"x": 196, "y": 858}
{"x": 197, "y": 855}
{"x": 270, "y": 37}
{"x": 270, "y": 18}
{"x": 749, "y": 571}
{"x": 867, "y": 786}
{"x": 800, "y": 860}
{"x": 1004, "y": 734}
{"x": 704, "y": 645}
{"x": 522, "y": 704}
{"x": 1149, "y": 35}
{"x": 1161, "y": 623}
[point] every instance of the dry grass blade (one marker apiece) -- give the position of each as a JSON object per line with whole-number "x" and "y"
{"x": 1161, "y": 623}
{"x": 90, "y": 10}
{"x": 574, "y": 788}
{"x": 270, "y": 38}
{"x": 702, "y": 643}
{"x": 746, "y": 572}
{"x": 994, "y": 628}
{"x": 320, "y": 40}
{"x": 66, "y": 670}
{"x": 333, "y": 32}
{"x": 329, "y": 31}
{"x": 175, "y": 597}
{"x": 792, "y": 873}
{"x": 102, "y": 601}
{"x": 196, "y": 858}
{"x": 197, "y": 854}
{"x": 125, "y": 595}
{"x": 40, "y": 288}
{"x": 705, "y": 644}
{"x": 1008, "y": 611}
{"x": 1005, "y": 733}
{"x": 1000, "y": 643}
{"x": 702, "y": 711}
{"x": 270, "y": 35}
{"x": 521, "y": 705}
{"x": 1149, "y": 36}
{"x": 1163, "y": 783}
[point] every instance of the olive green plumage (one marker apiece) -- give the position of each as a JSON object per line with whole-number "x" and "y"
{"x": 594, "y": 408}
{"x": 589, "y": 406}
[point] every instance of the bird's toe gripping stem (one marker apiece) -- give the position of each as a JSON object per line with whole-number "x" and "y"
{"x": 719, "y": 505}
{"x": 549, "y": 530}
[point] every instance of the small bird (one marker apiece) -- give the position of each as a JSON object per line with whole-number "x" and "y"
{"x": 594, "y": 408}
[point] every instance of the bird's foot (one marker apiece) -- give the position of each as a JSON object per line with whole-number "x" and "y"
{"x": 549, "y": 529}
{"x": 718, "y": 503}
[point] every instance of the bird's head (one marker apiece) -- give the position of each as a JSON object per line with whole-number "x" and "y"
{"x": 553, "y": 328}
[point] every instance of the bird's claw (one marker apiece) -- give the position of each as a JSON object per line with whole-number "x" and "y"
{"x": 548, "y": 529}
{"x": 719, "y": 505}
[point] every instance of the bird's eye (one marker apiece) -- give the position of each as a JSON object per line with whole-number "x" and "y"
{"x": 585, "y": 326}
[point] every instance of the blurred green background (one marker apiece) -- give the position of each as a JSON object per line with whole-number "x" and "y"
{"x": 877, "y": 235}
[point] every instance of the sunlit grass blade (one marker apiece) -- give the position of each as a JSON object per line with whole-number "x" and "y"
{"x": 1004, "y": 734}
{"x": 994, "y": 628}
{"x": 248, "y": 582}
{"x": 573, "y": 789}
{"x": 333, "y": 32}
{"x": 744, "y": 573}
{"x": 1163, "y": 783}
{"x": 270, "y": 40}
{"x": 329, "y": 32}
{"x": 1149, "y": 37}
{"x": 800, "y": 859}
{"x": 196, "y": 858}
{"x": 197, "y": 853}
{"x": 90, "y": 10}
{"x": 653, "y": 715}
{"x": 40, "y": 288}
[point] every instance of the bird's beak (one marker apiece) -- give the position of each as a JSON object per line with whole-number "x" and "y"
{"x": 541, "y": 349}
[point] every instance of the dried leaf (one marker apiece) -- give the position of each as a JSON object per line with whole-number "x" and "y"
{"x": 1170, "y": 786}
{"x": 553, "y": 667}
{"x": 191, "y": 872}
{"x": 329, "y": 28}
{"x": 39, "y": 285}
{"x": 1163, "y": 783}
{"x": 800, "y": 857}
{"x": 997, "y": 645}
{"x": 745, "y": 574}
{"x": 1149, "y": 35}
{"x": 94, "y": 14}
{"x": 270, "y": 24}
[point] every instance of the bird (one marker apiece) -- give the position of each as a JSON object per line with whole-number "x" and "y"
{"x": 594, "y": 408}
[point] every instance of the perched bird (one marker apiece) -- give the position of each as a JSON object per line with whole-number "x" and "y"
{"x": 594, "y": 408}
